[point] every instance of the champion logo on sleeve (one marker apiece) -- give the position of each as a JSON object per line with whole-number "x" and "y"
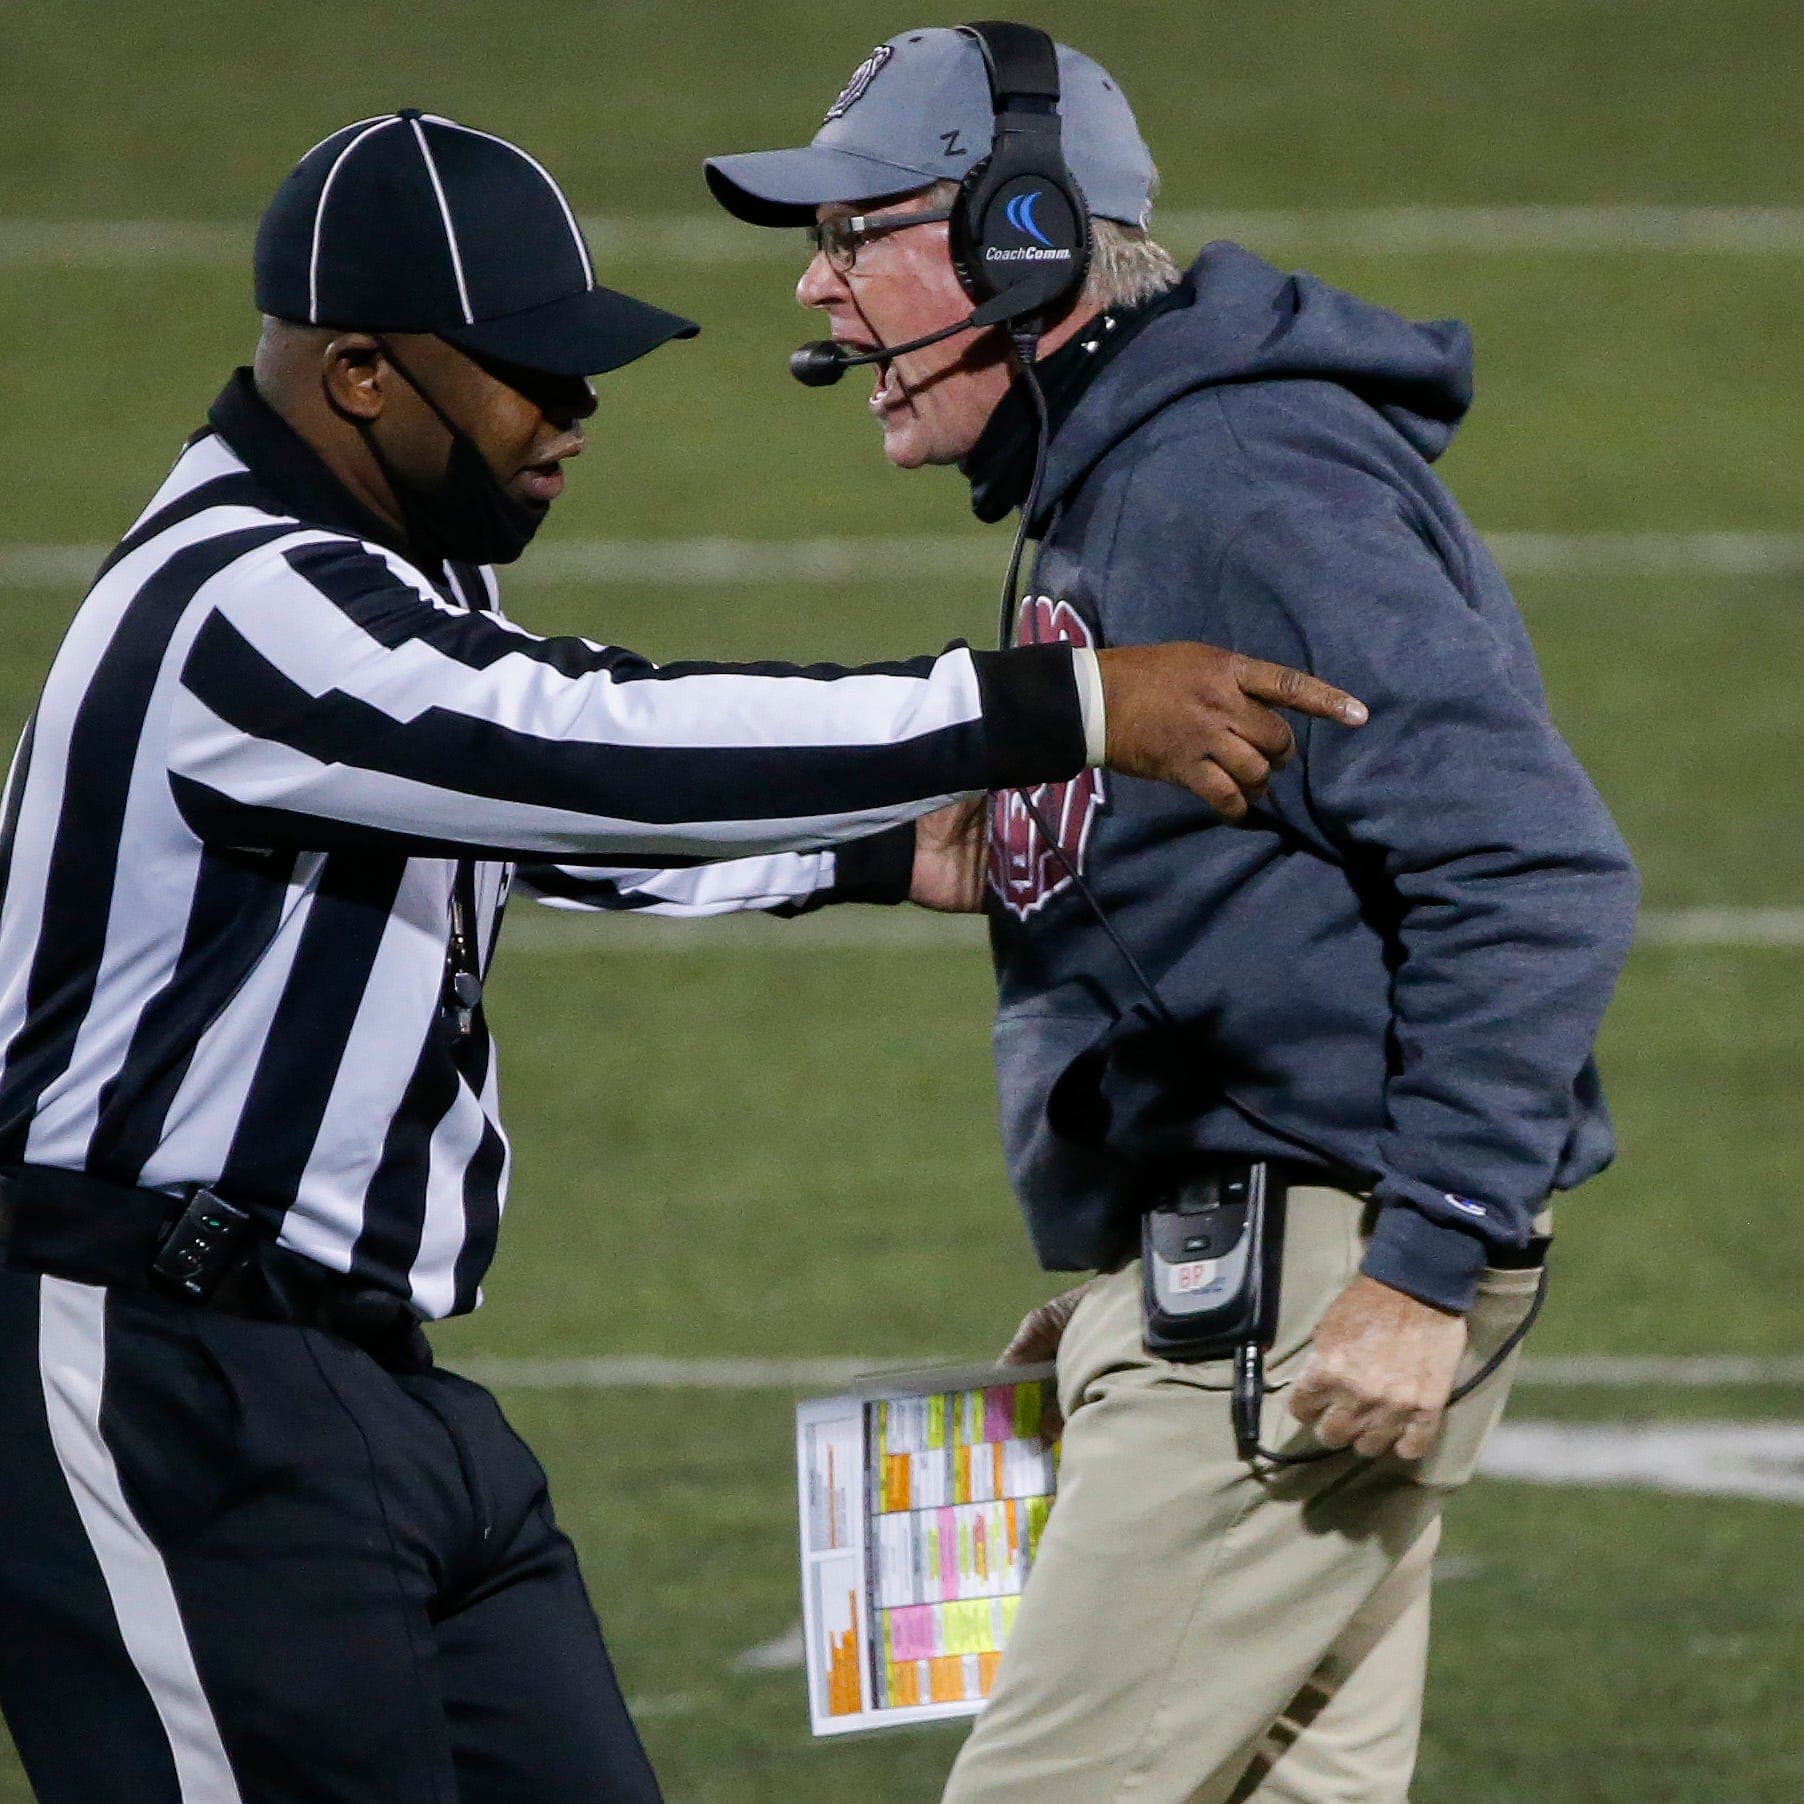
{"x": 1465, "y": 1206}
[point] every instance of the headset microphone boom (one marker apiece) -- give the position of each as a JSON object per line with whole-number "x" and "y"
{"x": 821, "y": 364}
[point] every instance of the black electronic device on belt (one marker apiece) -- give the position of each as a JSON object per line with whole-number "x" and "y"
{"x": 205, "y": 1245}
{"x": 1210, "y": 1254}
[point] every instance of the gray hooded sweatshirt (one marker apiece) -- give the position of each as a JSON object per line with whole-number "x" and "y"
{"x": 1397, "y": 967}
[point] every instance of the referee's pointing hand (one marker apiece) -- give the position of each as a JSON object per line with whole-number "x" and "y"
{"x": 1205, "y": 718}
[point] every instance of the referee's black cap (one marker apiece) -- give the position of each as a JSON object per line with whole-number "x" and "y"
{"x": 410, "y": 222}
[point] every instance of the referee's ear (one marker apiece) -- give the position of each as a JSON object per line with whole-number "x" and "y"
{"x": 298, "y": 366}
{"x": 352, "y": 368}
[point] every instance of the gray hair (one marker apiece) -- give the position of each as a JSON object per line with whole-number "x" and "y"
{"x": 1128, "y": 266}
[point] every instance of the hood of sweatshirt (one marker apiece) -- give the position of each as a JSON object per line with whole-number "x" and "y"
{"x": 1250, "y": 322}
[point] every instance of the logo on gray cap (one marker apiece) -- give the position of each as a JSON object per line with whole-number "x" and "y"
{"x": 862, "y": 77}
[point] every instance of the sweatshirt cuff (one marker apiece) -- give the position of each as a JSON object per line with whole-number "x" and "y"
{"x": 1427, "y": 1260}
{"x": 878, "y": 868}
{"x": 1033, "y": 717}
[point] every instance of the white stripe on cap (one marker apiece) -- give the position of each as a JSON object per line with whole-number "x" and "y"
{"x": 444, "y": 213}
{"x": 319, "y": 212}
{"x": 72, "y": 1366}
{"x": 340, "y": 132}
{"x": 582, "y": 250}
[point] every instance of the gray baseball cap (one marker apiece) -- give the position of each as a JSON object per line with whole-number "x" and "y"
{"x": 918, "y": 110}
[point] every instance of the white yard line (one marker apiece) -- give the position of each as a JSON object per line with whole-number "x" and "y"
{"x": 710, "y": 562}
{"x": 1414, "y": 231}
{"x": 640, "y": 1372}
{"x": 1682, "y": 1371}
{"x": 669, "y": 1703}
{"x": 547, "y": 931}
{"x": 1740, "y": 928}
{"x": 784, "y": 1653}
{"x": 712, "y": 238}
{"x": 538, "y": 931}
{"x": 123, "y": 243}
{"x": 49, "y": 566}
{"x": 1761, "y": 1460}
{"x": 1597, "y": 554}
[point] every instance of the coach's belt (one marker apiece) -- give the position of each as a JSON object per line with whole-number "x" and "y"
{"x": 66, "y": 1224}
{"x": 1294, "y": 1173}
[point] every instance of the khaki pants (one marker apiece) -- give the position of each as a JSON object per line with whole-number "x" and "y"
{"x": 1194, "y": 1633}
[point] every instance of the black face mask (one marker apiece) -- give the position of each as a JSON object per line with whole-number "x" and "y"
{"x": 467, "y": 516}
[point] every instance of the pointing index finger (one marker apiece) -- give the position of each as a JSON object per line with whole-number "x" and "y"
{"x": 1283, "y": 687}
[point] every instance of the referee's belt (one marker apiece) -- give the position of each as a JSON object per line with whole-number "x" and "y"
{"x": 66, "y": 1224}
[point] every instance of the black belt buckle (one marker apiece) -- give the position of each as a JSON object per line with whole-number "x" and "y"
{"x": 203, "y": 1248}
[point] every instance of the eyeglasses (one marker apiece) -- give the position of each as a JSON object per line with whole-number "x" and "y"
{"x": 838, "y": 239}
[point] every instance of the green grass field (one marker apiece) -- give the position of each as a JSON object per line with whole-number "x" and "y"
{"x": 817, "y": 1117}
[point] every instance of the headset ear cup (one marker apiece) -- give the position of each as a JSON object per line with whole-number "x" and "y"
{"x": 1086, "y": 253}
{"x": 1021, "y": 226}
{"x": 962, "y": 234}
{"x": 1020, "y": 231}
{"x": 1083, "y": 238}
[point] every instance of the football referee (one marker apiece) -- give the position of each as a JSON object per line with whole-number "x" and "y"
{"x": 255, "y": 849}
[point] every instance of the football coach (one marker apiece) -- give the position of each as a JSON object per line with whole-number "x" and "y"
{"x": 1372, "y": 1001}
{"x": 254, "y": 853}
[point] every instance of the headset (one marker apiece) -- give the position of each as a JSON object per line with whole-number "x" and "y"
{"x": 1019, "y": 228}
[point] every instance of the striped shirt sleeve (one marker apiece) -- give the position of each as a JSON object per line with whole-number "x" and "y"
{"x": 877, "y": 869}
{"x": 329, "y": 700}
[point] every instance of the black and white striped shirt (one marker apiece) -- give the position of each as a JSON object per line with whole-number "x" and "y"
{"x": 270, "y": 750}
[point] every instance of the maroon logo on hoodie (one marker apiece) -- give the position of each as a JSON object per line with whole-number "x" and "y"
{"x": 1026, "y": 871}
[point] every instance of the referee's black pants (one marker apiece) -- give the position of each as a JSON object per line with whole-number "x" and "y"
{"x": 241, "y": 1562}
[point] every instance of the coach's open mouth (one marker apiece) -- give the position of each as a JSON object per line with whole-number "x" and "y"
{"x": 887, "y": 389}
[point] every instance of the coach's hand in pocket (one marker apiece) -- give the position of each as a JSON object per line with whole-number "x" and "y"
{"x": 1379, "y": 1375}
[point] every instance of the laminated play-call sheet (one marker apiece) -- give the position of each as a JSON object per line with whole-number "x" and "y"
{"x": 923, "y": 1499}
